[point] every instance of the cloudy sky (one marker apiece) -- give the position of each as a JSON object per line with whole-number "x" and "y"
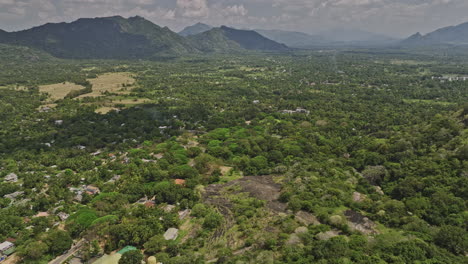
{"x": 392, "y": 17}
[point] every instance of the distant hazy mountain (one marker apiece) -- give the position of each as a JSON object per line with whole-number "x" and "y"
{"x": 225, "y": 38}
{"x": 332, "y": 37}
{"x": 447, "y": 35}
{"x": 109, "y": 37}
{"x": 290, "y": 38}
{"x": 195, "y": 29}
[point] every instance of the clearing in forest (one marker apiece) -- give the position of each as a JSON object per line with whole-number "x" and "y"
{"x": 111, "y": 82}
{"x": 59, "y": 90}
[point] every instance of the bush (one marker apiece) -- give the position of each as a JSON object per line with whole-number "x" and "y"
{"x": 131, "y": 257}
{"x": 212, "y": 220}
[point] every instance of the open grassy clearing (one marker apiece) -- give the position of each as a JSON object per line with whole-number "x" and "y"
{"x": 109, "y": 104}
{"x": 59, "y": 90}
{"x": 110, "y": 82}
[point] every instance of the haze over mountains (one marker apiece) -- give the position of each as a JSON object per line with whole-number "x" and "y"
{"x": 303, "y": 40}
{"x": 137, "y": 38}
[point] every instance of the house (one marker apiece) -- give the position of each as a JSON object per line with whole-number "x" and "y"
{"x": 45, "y": 109}
{"x": 302, "y": 111}
{"x": 114, "y": 179}
{"x": 179, "y": 182}
{"x": 171, "y": 234}
{"x": 92, "y": 190}
{"x": 63, "y": 216}
{"x": 168, "y": 208}
{"x": 12, "y": 177}
{"x": 78, "y": 197}
{"x": 142, "y": 200}
{"x": 7, "y": 248}
{"x": 58, "y": 122}
{"x": 184, "y": 214}
{"x": 13, "y": 196}
{"x": 150, "y": 204}
{"x": 42, "y": 214}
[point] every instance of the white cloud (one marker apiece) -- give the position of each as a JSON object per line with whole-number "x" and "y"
{"x": 397, "y": 17}
{"x": 193, "y": 8}
{"x": 235, "y": 10}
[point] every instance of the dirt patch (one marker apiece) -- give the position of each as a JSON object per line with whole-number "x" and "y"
{"x": 225, "y": 170}
{"x": 260, "y": 187}
{"x": 306, "y": 218}
{"x": 60, "y": 90}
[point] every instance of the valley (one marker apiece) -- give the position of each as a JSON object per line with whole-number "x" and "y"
{"x": 259, "y": 158}
{"x": 220, "y": 145}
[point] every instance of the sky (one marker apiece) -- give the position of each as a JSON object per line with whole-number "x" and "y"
{"x": 396, "y": 18}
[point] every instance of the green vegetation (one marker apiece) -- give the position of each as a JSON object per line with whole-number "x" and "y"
{"x": 308, "y": 157}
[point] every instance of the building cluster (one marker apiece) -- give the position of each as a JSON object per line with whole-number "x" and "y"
{"x": 450, "y": 79}
{"x": 297, "y": 111}
{"x": 89, "y": 189}
{"x": 7, "y": 248}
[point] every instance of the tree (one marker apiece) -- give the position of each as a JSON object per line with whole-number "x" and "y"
{"x": 131, "y": 257}
{"x": 212, "y": 220}
{"x": 33, "y": 250}
{"x": 453, "y": 238}
{"x": 154, "y": 245}
{"x": 58, "y": 241}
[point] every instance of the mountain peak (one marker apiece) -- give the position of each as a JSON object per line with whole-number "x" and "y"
{"x": 195, "y": 29}
{"x": 457, "y": 35}
{"x": 236, "y": 39}
{"x": 102, "y": 38}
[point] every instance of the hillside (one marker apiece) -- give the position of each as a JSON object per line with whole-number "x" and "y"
{"x": 13, "y": 54}
{"x": 225, "y": 38}
{"x": 447, "y": 35}
{"x": 195, "y": 29}
{"x": 110, "y": 37}
{"x": 215, "y": 41}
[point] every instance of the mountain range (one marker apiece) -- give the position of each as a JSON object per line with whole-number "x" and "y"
{"x": 137, "y": 38}
{"x": 303, "y": 40}
{"x": 133, "y": 38}
{"x": 457, "y": 35}
{"x": 335, "y": 37}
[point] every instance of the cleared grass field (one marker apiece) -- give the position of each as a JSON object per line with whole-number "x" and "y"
{"x": 60, "y": 90}
{"x": 111, "y": 82}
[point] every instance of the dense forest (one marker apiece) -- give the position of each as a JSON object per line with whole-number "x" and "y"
{"x": 331, "y": 156}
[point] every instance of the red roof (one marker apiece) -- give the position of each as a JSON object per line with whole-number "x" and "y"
{"x": 149, "y": 204}
{"x": 179, "y": 182}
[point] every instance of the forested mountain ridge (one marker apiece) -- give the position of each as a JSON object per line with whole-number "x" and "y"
{"x": 120, "y": 38}
{"x": 224, "y": 37}
{"x": 109, "y": 37}
{"x": 447, "y": 35}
